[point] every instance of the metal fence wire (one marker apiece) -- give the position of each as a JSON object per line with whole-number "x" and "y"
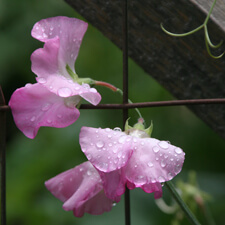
{"x": 4, "y": 108}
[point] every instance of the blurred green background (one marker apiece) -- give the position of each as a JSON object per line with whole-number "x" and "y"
{"x": 31, "y": 162}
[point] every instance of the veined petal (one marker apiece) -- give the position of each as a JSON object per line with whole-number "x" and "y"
{"x": 64, "y": 87}
{"x": 34, "y": 106}
{"x": 106, "y": 149}
{"x": 80, "y": 189}
{"x": 70, "y": 32}
{"x": 153, "y": 161}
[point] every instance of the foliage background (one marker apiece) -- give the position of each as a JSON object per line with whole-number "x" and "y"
{"x": 31, "y": 162}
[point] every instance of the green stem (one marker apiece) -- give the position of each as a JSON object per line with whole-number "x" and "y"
{"x": 136, "y": 109}
{"x": 210, "y": 12}
{"x": 181, "y": 203}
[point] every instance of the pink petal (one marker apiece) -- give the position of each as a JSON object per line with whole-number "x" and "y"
{"x": 106, "y": 149}
{"x": 153, "y": 161}
{"x": 64, "y": 87}
{"x": 113, "y": 184}
{"x": 34, "y": 106}
{"x": 80, "y": 189}
{"x": 70, "y": 32}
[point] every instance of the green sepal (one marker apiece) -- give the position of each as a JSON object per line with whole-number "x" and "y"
{"x": 73, "y": 75}
{"x": 149, "y": 129}
{"x": 127, "y": 126}
{"x": 85, "y": 81}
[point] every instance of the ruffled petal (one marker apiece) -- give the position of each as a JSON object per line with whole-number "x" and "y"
{"x": 64, "y": 87}
{"x": 106, "y": 149}
{"x": 153, "y": 161}
{"x": 80, "y": 189}
{"x": 34, "y": 106}
{"x": 70, "y": 32}
{"x": 113, "y": 184}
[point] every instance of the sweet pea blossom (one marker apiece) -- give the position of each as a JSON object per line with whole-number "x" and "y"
{"x": 131, "y": 159}
{"x": 53, "y": 99}
{"x": 81, "y": 190}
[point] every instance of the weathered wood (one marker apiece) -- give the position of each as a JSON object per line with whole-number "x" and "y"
{"x": 181, "y": 65}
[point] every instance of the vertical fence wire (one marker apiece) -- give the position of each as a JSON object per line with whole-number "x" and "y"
{"x": 125, "y": 95}
{"x": 2, "y": 158}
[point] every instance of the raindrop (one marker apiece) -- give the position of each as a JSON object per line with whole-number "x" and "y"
{"x": 37, "y": 28}
{"x": 163, "y": 144}
{"x": 119, "y": 155}
{"x": 107, "y": 130}
{"x": 43, "y": 29}
{"x": 49, "y": 121}
{"x": 81, "y": 169}
{"x": 45, "y": 107}
{"x": 142, "y": 143}
{"x": 150, "y": 164}
{"x": 96, "y": 131}
{"x": 170, "y": 176}
{"x": 178, "y": 150}
{"x": 114, "y": 204}
{"x": 155, "y": 149}
{"x": 41, "y": 80}
{"x": 77, "y": 88}
{"x": 100, "y": 144}
{"x": 64, "y": 92}
{"x": 89, "y": 173}
{"x": 86, "y": 86}
{"x": 115, "y": 150}
{"x": 45, "y": 35}
{"x": 156, "y": 158}
{"x": 117, "y": 129}
{"x": 51, "y": 28}
{"x": 171, "y": 159}
{"x": 71, "y": 55}
{"x": 93, "y": 90}
{"x": 165, "y": 156}
{"x": 135, "y": 140}
{"x": 122, "y": 139}
{"x": 161, "y": 179}
{"x": 28, "y": 85}
{"x": 110, "y": 144}
{"x": 163, "y": 164}
{"x": 33, "y": 118}
{"x": 109, "y": 136}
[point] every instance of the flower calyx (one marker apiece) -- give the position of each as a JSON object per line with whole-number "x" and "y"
{"x": 139, "y": 130}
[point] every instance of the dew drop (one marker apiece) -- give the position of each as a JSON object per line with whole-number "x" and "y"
{"x": 115, "y": 150}
{"x": 86, "y": 86}
{"x": 150, "y": 164}
{"x": 119, "y": 155}
{"x": 114, "y": 204}
{"x": 171, "y": 159}
{"x": 122, "y": 139}
{"x": 89, "y": 173}
{"x": 45, "y": 107}
{"x": 49, "y": 121}
{"x": 28, "y": 85}
{"x": 72, "y": 55}
{"x": 81, "y": 169}
{"x": 163, "y": 164}
{"x": 178, "y": 150}
{"x": 93, "y": 90}
{"x": 156, "y": 158}
{"x": 170, "y": 176}
{"x": 117, "y": 129}
{"x": 64, "y": 92}
{"x": 155, "y": 149}
{"x": 163, "y": 144}
{"x": 110, "y": 144}
{"x": 109, "y": 136}
{"x": 107, "y": 130}
{"x": 161, "y": 179}
{"x": 51, "y": 28}
{"x": 45, "y": 35}
{"x": 33, "y": 118}
{"x": 37, "y": 28}
{"x": 77, "y": 88}
{"x": 100, "y": 144}
{"x": 142, "y": 143}
{"x": 42, "y": 80}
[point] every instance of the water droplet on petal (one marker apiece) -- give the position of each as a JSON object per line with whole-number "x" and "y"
{"x": 155, "y": 149}
{"x": 93, "y": 90}
{"x": 114, "y": 204}
{"x": 117, "y": 129}
{"x": 107, "y": 130}
{"x": 28, "y": 85}
{"x": 119, "y": 155}
{"x": 178, "y": 150}
{"x": 64, "y": 92}
{"x": 41, "y": 80}
{"x": 89, "y": 173}
{"x": 163, "y": 164}
{"x": 171, "y": 159}
{"x": 100, "y": 144}
{"x": 51, "y": 28}
{"x": 109, "y": 136}
{"x": 110, "y": 144}
{"x": 150, "y": 164}
{"x": 170, "y": 176}
{"x": 122, "y": 139}
{"x": 161, "y": 179}
{"x": 86, "y": 86}
{"x": 45, "y": 107}
{"x": 49, "y": 121}
{"x": 163, "y": 144}
{"x": 142, "y": 143}
{"x": 33, "y": 118}
{"x": 59, "y": 116}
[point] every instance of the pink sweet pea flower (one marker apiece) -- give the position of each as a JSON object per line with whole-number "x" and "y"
{"x": 81, "y": 190}
{"x": 133, "y": 159}
{"x": 52, "y": 101}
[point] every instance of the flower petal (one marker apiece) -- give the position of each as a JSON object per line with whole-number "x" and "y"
{"x": 106, "y": 149}
{"x": 64, "y": 87}
{"x": 70, "y": 32}
{"x": 80, "y": 189}
{"x": 153, "y": 161}
{"x": 34, "y": 106}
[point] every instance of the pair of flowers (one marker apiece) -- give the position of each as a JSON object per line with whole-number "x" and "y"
{"x": 116, "y": 159}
